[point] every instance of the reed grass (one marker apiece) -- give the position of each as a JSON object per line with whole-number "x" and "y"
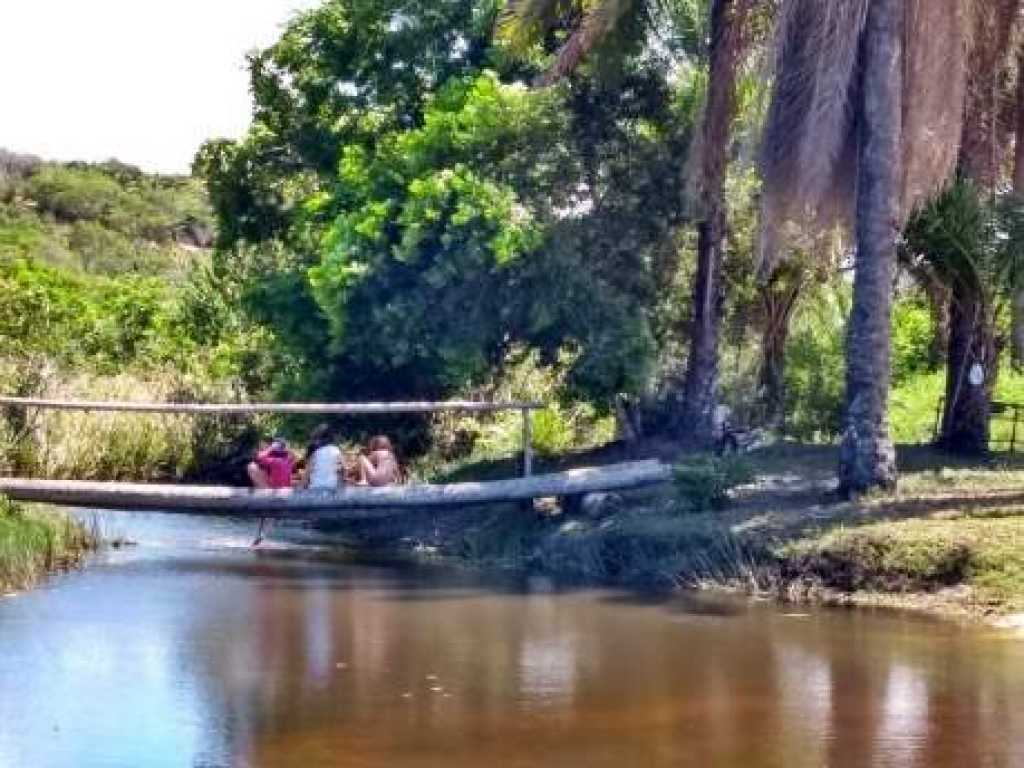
{"x": 35, "y": 541}
{"x": 113, "y": 446}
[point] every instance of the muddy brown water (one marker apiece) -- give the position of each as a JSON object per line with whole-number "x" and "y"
{"x": 191, "y": 650}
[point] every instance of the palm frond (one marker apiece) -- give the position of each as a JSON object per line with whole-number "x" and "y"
{"x": 595, "y": 26}
{"x": 523, "y": 22}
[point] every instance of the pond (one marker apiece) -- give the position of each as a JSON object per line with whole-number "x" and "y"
{"x": 191, "y": 649}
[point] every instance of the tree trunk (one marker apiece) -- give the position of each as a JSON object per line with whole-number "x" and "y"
{"x": 867, "y": 456}
{"x": 728, "y": 23}
{"x": 1017, "y": 344}
{"x": 965, "y": 419}
{"x": 778, "y": 298}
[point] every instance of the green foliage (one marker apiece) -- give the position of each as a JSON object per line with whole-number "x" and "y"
{"x": 815, "y": 365}
{"x": 422, "y": 250}
{"x": 563, "y": 425}
{"x": 912, "y": 407}
{"x": 912, "y": 335}
{"x": 399, "y": 234}
{"x": 704, "y": 483}
{"x": 49, "y": 311}
{"x": 104, "y": 219}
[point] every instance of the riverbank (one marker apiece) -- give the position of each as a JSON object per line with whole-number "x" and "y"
{"x": 37, "y": 541}
{"x": 950, "y": 542}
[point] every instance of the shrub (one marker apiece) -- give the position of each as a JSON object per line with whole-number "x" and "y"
{"x": 911, "y": 339}
{"x": 703, "y": 484}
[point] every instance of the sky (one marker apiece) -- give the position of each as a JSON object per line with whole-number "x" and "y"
{"x": 143, "y": 81}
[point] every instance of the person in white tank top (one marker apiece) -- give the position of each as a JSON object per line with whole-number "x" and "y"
{"x": 323, "y": 459}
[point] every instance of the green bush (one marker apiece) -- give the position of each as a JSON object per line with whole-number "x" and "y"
{"x": 704, "y": 483}
{"x": 911, "y": 339}
{"x": 815, "y": 365}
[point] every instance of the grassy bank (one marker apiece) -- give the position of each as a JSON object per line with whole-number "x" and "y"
{"x": 951, "y": 541}
{"x": 36, "y": 541}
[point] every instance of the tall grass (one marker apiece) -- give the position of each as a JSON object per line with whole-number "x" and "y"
{"x": 35, "y": 541}
{"x": 111, "y": 446}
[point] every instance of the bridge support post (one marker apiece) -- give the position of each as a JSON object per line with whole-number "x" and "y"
{"x": 527, "y": 443}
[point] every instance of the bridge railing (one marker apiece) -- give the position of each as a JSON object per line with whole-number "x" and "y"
{"x": 224, "y": 409}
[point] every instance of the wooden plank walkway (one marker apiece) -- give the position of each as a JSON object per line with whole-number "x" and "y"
{"x": 351, "y": 501}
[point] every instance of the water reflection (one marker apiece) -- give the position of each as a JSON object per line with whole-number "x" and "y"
{"x": 195, "y": 655}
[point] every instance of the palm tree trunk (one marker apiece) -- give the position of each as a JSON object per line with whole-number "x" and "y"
{"x": 728, "y": 23}
{"x": 965, "y": 420}
{"x": 867, "y": 456}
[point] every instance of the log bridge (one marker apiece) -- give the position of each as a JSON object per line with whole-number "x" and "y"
{"x": 348, "y": 501}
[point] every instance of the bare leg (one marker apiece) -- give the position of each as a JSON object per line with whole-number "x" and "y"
{"x": 259, "y": 479}
{"x": 259, "y": 534}
{"x": 257, "y": 476}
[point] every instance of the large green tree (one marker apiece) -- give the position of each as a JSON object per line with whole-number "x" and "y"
{"x": 403, "y": 233}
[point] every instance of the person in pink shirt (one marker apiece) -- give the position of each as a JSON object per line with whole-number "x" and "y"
{"x": 273, "y": 466}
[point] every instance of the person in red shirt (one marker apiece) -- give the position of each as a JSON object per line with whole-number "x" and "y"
{"x": 273, "y": 466}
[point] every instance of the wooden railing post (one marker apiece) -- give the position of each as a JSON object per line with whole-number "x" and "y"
{"x": 527, "y": 443}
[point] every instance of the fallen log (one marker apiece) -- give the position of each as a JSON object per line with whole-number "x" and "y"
{"x": 303, "y": 503}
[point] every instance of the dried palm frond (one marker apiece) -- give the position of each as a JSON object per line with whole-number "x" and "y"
{"x": 936, "y": 48}
{"x": 988, "y": 125}
{"x": 809, "y": 145}
{"x": 810, "y": 126}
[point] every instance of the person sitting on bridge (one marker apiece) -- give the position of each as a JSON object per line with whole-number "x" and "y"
{"x": 272, "y": 467}
{"x": 380, "y": 467}
{"x": 322, "y": 460}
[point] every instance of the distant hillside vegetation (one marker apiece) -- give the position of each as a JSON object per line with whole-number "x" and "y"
{"x": 107, "y": 292}
{"x": 106, "y": 219}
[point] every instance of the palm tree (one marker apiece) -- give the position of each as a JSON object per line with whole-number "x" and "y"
{"x": 973, "y": 343}
{"x": 973, "y": 244}
{"x": 527, "y": 20}
{"x": 859, "y": 134}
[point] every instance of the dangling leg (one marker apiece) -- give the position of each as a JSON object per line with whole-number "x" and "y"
{"x": 259, "y": 534}
{"x": 259, "y": 479}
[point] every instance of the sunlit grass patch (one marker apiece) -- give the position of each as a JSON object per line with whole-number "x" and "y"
{"x": 984, "y": 552}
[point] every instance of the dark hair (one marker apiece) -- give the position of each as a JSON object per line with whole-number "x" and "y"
{"x": 321, "y": 435}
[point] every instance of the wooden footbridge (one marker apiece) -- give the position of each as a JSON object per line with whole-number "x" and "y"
{"x": 347, "y": 501}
